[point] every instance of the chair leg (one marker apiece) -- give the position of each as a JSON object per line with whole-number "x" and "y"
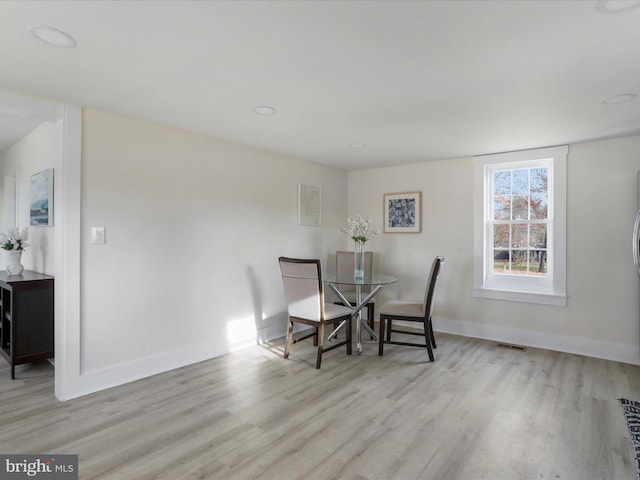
{"x": 371, "y": 310}
{"x": 383, "y": 321}
{"x": 370, "y": 317}
{"x": 427, "y": 340}
{"x": 320, "y": 343}
{"x": 389, "y": 326}
{"x": 433, "y": 339}
{"x": 348, "y": 335}
{"x": 287, "y": 347}
{"x": 315, "y": 336}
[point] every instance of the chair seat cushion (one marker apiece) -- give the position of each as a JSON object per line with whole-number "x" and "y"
{"x": 335, "y": 311}
{"x": 403, "y": 308}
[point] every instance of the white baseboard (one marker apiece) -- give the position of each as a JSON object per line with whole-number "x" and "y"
{"x": 581, "y": 346}
{"x": 96, "y": 380}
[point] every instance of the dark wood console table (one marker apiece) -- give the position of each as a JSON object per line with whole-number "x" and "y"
{"x": 26, "y": 323}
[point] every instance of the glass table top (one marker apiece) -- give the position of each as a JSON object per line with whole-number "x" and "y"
{"x": 369, "y": 279}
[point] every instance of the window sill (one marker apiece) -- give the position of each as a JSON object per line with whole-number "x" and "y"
{"x": 557, "y": 300}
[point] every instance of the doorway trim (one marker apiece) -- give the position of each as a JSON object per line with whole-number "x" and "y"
{"x": 68, "y": 190}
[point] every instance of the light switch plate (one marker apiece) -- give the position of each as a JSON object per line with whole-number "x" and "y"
{"x": 97, "y": 236}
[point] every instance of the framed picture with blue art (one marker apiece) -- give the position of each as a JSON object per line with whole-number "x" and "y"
{"x": 402, "y": 212}
{"x": 41, "y": 198}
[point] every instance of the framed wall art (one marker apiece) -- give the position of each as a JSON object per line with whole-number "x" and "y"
{"x": 309, "y": 205}
{"x": 41, "y": 198}
{"x": 402, "y": 212}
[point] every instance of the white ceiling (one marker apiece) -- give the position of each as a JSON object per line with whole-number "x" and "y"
{"x": 413, "y": 80}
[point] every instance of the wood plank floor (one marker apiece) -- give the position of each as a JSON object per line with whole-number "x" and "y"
{"x": 479, "y": 412}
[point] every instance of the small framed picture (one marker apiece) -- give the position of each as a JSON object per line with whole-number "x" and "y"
{"x": 309, "y": 205}
{"x": 402, "y": 212}
{"x": 41, "y": 198}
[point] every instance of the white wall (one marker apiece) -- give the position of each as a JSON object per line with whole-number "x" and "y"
{"x": 37, "y": 151}
{"x": 602, "y": 313}
{"x": 194, "y": 227}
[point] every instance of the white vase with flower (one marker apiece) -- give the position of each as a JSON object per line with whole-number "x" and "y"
{"x": 14, "y": 242}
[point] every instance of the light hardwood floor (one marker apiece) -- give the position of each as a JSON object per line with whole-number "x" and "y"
{"x": 479, "y": 412}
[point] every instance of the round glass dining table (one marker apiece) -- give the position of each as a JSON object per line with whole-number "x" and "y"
{"x": 375, "y": 280}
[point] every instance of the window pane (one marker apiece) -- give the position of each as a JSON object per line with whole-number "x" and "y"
{"x": 520, "y": 210}
{"x": 519, "y": 260}
{"x": 534, "y": 263}
{"x": 521, "y": 182}
{"x": 538, "y": 263}
{"x": 538, "y": 242}
{"x": 539, "y": 192}
{"x": 539, "y": 179}
{"x": 501, "y": 262}
{"x": 501, "y": 236}
{"x": 519, "y": 235}
{"x": 502, "y": 182}
{"x": 501, "y": 208}
{"x": 527, "y": 262}
{"x": 538, "y": 235}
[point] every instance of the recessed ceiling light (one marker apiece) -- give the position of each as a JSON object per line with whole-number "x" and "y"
{"x": 622, "y": 98}
{"x": 616, "y": 6}
{"x": 264, "y": 110}
{"x": 52, "y": 36}
{"x": 358, "y": 145}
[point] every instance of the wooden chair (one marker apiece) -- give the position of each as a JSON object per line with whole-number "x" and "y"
{"x": 411, "y": 312}
{"x": 303, "y": 288}
{"x": 345, "y": 264}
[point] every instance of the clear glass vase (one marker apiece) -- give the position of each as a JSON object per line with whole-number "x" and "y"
{"x": 358, "y": 261}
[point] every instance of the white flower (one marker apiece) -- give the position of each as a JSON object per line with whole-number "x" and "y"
{"x": 359, "y": 229}
{"x": 14, "y": 239}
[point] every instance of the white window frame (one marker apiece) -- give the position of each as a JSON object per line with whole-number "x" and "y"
{"x": 548, "y": 290}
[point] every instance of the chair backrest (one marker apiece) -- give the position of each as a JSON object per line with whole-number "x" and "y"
{"x": 432, "y": 283}
{"x": 302, "y": 280}
{"x": 345, "y": 263}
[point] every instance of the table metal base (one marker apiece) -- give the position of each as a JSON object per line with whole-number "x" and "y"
{"x": 357, "y": 314}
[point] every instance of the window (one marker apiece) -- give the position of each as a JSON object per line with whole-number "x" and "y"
{"x": 518, "y": 219}
{"x": 520, "y": 226}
